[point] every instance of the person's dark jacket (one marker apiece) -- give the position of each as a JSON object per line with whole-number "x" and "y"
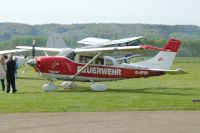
{"x": 11, "y": 68}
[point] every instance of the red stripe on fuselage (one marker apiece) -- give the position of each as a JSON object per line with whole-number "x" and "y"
{"x": 64, "y": 66}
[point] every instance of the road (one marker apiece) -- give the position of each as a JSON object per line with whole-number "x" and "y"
{"x": 102, "y": 122}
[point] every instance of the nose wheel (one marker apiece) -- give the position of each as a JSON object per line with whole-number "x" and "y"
{"x": 49, "y": 87}
{"x": 69, "y": 85}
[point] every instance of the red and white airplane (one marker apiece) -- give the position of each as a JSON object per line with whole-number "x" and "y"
{"x": 97, "y": 64}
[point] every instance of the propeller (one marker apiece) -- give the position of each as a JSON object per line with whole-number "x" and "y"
{"x": 32, "y": 62}
{"x": 26, "y": 67}
{"x": 33, "y": 49}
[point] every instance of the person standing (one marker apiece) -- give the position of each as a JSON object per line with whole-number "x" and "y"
{"x": 10, "y": 74}
{"x": 2, "y": 72}
{"x": 16, "y": 67}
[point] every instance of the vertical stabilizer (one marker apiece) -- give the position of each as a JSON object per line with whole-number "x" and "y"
{"x": 165, "y": 58}
{"x": 55, "y": 41}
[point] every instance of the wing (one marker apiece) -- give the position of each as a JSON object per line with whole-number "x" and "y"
{"x": 93, "y": 41}
{"x": 106, "y": 42}
{"x": 109, "y": 50}
{"x": 104, "y": 50}
{"x": 123, "y": 41}
{"x": 13, "y": 51}
{"x": 40, "y": 48}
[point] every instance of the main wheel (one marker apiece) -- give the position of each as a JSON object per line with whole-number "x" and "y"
{"x": 99, "y": 87}
{"x": 49, "y": 87}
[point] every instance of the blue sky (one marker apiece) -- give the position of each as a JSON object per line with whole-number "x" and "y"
{"x": 169, "y": 12}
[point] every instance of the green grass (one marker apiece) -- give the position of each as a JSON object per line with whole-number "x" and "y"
{"x": 169, "y": 92}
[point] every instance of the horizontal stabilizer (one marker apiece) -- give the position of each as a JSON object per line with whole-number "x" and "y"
{"x": 171, "y": 72}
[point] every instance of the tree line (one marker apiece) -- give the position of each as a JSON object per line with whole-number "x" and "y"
{"x": 13, "y": 34}
{"x": 189, "y": 48}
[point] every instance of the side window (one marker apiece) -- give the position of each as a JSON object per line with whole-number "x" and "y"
{"x": 121, "y": 61}
{"x": 109, "y": 62}
{"x": 84, "y": 59}
{"x": 99, "y": 61}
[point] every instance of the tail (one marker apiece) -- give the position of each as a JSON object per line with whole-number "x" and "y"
{"x": 165, "y": 58}
{"x": 55, "y": 41}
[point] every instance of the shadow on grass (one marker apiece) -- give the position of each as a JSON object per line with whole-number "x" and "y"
{"x": 30, "y": 78}
{"x": 18, "y": 93}
{"x": 156, "y": 91}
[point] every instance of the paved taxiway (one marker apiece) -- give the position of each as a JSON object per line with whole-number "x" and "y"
{"x": 102, "y": 122}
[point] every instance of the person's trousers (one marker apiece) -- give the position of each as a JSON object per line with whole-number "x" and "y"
{"x": 11, "y": 82}
{"x": 3, "y": 84}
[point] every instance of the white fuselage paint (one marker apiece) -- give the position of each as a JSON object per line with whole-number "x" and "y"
{"x": 78, "y": 78}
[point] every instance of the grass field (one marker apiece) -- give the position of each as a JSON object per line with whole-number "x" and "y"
{"x": 170, "y": 92}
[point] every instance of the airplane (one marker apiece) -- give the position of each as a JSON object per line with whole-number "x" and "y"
{"x": 20, "y": 60}
{"x": 97, "y": 64}
{"x": 92, "y": 42}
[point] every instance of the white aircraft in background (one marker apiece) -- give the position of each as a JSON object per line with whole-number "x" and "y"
{"x": 92, "y": 42}
{"x": 20, "y": 60}
{"x": 54, "y": 41}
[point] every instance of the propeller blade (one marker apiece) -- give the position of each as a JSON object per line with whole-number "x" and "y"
{"x": 25, "y": 69}
{"x": 33, "y": 49}
{"x": 32, "y": 62}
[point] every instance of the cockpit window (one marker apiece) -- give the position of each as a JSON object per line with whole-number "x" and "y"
{"x": 109, "y": 62}
{"x": 71, "y": 56}
{"x": 122, "y": 61}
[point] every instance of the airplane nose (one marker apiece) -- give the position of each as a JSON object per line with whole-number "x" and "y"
{"x": 31, "y": 62}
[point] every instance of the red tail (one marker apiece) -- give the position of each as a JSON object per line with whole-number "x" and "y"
{"x": 172, "y": 45}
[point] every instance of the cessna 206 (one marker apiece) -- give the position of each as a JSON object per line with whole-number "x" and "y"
{"x": 95, "y": 64}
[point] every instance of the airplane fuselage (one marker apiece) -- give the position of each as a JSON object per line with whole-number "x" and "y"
{"x": 63, "y": 68}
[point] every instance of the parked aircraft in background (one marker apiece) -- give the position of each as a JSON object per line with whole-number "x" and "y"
{"x": 92, "y": 42}
{"x": 53, "y": 41}
{"x": 20, "y": 60}
{"x": 97, "y": 64}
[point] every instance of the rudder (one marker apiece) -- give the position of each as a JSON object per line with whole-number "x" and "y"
{"x": 165, "y": 58}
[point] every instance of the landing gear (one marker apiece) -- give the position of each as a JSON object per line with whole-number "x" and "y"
{"x": 69, "y": 85}
{"x": 49, "y": 87}
{"x": 99, "y": 87}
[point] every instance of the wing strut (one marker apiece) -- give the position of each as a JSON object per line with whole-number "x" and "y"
{"x": 86, "y": 65}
